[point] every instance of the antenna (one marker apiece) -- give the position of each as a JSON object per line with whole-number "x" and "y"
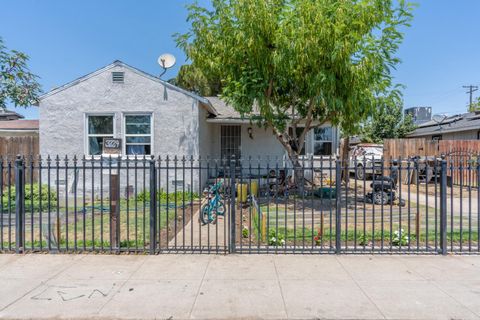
{"x": 166, "y": 61}
{"x": 439, "y": 118}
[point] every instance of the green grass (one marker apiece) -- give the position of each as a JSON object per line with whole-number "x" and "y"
{"x": 134, "y": 228}
{"x": 88, "y": 244}
{"x": 350, "y": 236}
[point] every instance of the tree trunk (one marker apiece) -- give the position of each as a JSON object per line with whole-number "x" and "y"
{"x": 298, "y": 169}
{"x": 293, "y": 156}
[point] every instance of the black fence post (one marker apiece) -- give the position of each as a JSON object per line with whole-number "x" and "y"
{"x": 117, "y": 209}
{"x": 19, "y": 204}
{"x": 153, "y": 207}
{"x": 233, "y": 237}
{"x": 338, "y": 209}
{"x": 443, "y": 206}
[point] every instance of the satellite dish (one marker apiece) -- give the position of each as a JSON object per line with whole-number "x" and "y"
{"x": 166, "y": 60}
{"x": 439, "y": 118}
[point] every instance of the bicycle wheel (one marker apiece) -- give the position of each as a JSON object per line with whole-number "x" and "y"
{"x": 204, "y": 214}
{"x": 220, "y": 209}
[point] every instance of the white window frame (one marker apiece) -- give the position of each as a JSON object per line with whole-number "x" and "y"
{"x": 87, "y": 135}
{"x": 125, "y": 135}
{"x": 312, "y": 132}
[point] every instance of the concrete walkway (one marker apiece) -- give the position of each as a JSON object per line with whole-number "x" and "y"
{"x": 218, "y": 287}
{"x": 197, "y": 235}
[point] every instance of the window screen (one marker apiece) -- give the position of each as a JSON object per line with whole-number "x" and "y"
{"x": 138, "y": 134}
{"x": 322, "y": 141}
{"x": 99, "y": 127}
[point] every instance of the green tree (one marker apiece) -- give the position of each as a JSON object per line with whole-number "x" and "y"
{"x": 299, "y": 63}
{"x": 475, "y": 105}
{"x": 387, "y": 122}
{"x": 192, "y": 79}
{"x": 17, "y": 84}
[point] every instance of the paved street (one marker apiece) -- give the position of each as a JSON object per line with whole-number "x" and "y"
{"x": 239, "y": 286}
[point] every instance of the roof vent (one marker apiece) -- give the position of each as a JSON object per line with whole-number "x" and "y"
{"x": 118, "y": 77}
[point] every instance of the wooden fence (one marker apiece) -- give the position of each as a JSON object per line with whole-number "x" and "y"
{"x": 462, "y": 155}
{"x": 10, "y": 147}
{"x": 406, "y": 148}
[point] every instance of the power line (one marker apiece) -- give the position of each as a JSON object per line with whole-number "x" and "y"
{"x": 471, "y": 90}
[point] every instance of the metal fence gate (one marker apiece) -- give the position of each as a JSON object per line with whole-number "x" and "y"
{"x": 263, "y": 205}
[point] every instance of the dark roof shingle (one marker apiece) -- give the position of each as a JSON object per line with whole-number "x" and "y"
{"x": 456, "y": 123}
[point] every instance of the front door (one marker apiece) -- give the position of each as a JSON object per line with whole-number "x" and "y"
{"x": 230, "y": 142}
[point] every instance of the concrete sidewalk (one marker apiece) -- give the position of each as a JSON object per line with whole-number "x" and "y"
{"x": 247, "y": 286}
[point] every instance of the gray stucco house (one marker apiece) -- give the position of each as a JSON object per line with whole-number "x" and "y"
{"x": 153, "y": 117}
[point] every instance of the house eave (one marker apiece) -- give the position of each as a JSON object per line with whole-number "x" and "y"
{"x": 228, "y": 121}
{"x": 19, "y": 130}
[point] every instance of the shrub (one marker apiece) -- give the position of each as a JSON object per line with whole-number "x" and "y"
{"x": 363, "y": 239}
{"x": 400, "y": 238}
{"x": 162, "y": 196}
{"x": 274, "y": 239}
{"x": 245, "y": 232}
{"x": 32, "y": 196}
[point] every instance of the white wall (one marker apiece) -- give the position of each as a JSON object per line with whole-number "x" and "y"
{"x": 175, "y": 120}
{"x": 62, "y": 115}
{"x": 263, "y": 144}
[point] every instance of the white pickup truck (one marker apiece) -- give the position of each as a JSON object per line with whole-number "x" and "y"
{"x": 365, "y": 160}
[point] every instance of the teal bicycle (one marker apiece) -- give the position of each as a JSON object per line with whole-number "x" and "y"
{"x": 214, "y": 206}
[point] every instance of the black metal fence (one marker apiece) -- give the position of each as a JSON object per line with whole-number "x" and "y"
{"x": 263, "y": 205}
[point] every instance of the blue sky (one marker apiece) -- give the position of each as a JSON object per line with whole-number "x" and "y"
{"x": 67, "y": 39}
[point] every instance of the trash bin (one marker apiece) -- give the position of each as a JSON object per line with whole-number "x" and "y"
{"x": 242, "y": 192}
{"x": 254, "y": 188}
{"x": 326, "y": 192}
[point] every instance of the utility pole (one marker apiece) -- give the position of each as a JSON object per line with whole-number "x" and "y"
{"x": 471, "y": 90}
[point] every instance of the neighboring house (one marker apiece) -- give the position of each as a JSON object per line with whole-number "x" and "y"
{"x": 154, "y": 117}
{"x": 16, "y": 128}
{"x": 13, "y": 125}
{"x": 6, "y": 115}
{"x": 458, "y": 127}
{"x": 17, "y": 136}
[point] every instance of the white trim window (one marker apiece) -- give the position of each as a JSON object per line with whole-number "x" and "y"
{"x": 99, "y": 126}
{"x": 322, "y": 141}
{"x": 138, "y": 134}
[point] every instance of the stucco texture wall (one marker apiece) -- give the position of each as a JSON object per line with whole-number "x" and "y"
{"x": 175, "y": 126}
{"x": 62, "y": 115}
